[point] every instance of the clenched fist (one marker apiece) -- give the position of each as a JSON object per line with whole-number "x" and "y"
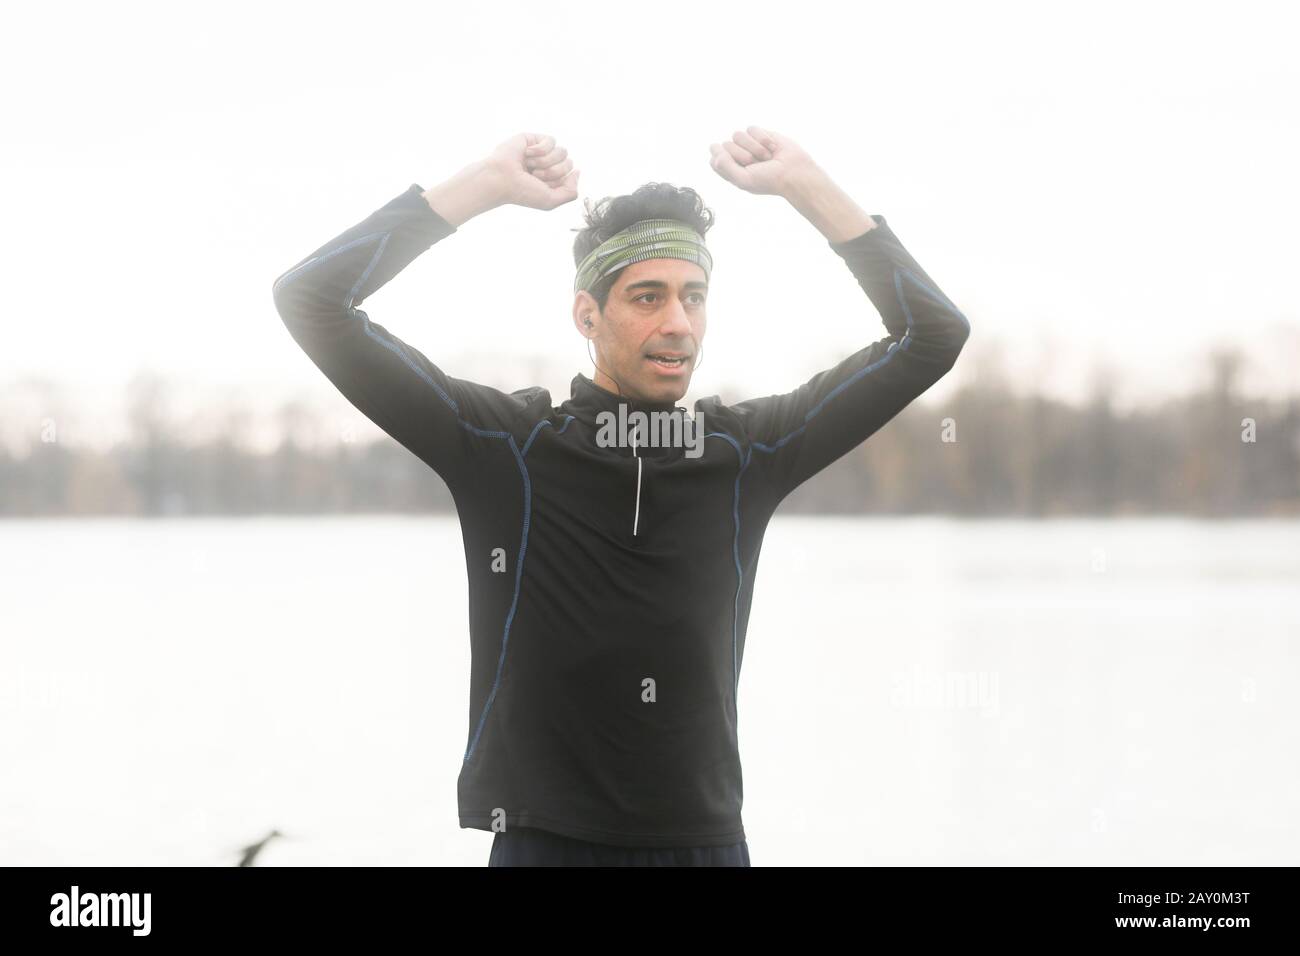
{"x": 760, "y": 161}
{"x": 531, "y": 170}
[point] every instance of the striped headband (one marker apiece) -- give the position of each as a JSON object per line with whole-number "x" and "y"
{"x": 645, "y": 239}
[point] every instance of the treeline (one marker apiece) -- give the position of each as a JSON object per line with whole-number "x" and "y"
{"x": 1207, "y": 455}
{"x": 983, "y": 451}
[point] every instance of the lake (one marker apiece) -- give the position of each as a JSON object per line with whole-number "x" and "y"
{"x": 914, "y": 691}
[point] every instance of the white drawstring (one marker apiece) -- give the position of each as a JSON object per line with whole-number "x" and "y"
{"x": 637, "y": 516}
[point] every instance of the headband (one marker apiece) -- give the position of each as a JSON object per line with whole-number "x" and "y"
{"x": 645, "y": 239}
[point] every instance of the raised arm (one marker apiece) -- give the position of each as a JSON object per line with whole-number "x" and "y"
{"x": 797, "y": 434}
{"x": 441, "y": 419}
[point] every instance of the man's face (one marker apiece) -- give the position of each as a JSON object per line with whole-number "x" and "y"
{"x": 648, "y": 337}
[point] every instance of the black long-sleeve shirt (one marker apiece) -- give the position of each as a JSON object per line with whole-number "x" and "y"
{"x": 594, "y": 570}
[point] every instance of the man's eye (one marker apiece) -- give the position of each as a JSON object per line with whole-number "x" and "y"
{"x": 698, "y": 295}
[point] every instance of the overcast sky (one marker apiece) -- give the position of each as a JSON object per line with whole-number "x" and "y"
{"x": 1115, "y": 182}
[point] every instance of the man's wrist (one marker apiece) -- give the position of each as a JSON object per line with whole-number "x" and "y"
{"x": 821, "y": 201}
{"x": 474, "y": 189}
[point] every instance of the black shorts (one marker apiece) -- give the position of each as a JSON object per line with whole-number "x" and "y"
{"x": 530, "y": 846}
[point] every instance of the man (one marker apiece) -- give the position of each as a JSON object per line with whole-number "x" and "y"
{"x": 610, "y": 576}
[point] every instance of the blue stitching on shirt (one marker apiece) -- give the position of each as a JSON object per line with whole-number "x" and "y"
{"x": 365, "y": 319}
{"x": 514, "y": 601}
{"x": 314, "y": 262}
{"x": 393, "y": 346}
{"x": 934, "y": 294}
{"x": 894, "y": 348}
{"x": 374, "y": 261}
{"x": 735, "y": 553}
{"x": 523, "y": 469}
{"x": 538, "y": 426}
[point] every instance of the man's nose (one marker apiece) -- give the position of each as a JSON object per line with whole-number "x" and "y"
{"x": 675, "y": 321}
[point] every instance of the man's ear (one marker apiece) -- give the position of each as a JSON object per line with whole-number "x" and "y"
{"x": 586, "y": 314}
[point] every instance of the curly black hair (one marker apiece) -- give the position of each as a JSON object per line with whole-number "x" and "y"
{"x": 615, "y": 213}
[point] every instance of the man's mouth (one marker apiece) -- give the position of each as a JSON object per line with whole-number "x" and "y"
{"x": 668, "y": 360}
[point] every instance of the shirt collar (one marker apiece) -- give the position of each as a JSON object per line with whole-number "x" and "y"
{"x": 587, "y": 400}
